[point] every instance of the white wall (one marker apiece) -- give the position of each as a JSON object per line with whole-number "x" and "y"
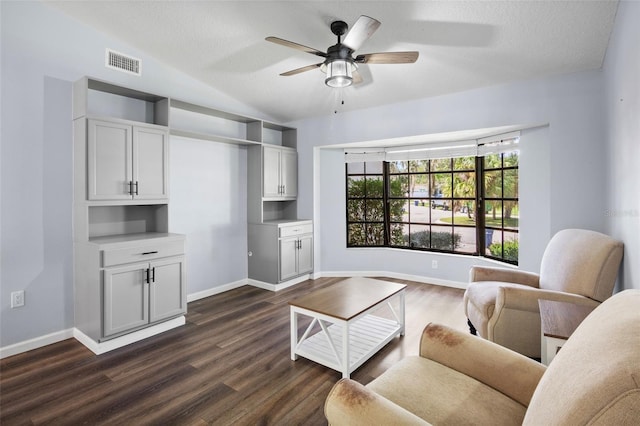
{"x": 43, "y": 52}
{"x": 561, "y": 165}
{"x": 622, "y": 102}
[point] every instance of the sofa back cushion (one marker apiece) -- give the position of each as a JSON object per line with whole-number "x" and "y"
{"x": 582, "y": 262}
{"x": 595, "y": 378}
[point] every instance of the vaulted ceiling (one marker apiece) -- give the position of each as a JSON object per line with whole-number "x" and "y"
{"x": 462, "y": 45}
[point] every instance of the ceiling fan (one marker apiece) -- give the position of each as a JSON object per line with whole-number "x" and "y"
{"x": 339, "y": 64}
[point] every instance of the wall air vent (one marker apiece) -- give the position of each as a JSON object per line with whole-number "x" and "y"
{"x": 121, "y": 62}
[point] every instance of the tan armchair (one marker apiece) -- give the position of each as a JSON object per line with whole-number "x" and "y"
{"x": 578, "y": 266}
{"x": 462, "y": 379}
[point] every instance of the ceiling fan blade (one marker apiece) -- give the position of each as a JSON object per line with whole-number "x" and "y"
{"x": 296, "y": 46}
{"x": 357, "y": 78}
{"x": 303, "y": 69}
{"x": 388, "y": 58}
{"x": 360, "y": 32}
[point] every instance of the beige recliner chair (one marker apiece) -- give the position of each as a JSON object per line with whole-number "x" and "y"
{"x": 578, "y": 266}
{"x": 460, "y": 379}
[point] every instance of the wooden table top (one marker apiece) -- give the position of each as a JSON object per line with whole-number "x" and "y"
{"x": 560, "y": 319}
{"x": 349, "y": 298}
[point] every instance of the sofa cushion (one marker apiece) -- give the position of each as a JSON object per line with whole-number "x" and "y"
{"x": 595, "y": 378}
{"x": 443, "y": 396}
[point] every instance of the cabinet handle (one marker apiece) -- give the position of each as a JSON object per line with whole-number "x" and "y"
{"x": 147, "y": 275}
{"x": 149, "y": 252}
{"x": 153, "y": 275}
{"x": 137, "y": 188}
{"x": 130, "y": 187}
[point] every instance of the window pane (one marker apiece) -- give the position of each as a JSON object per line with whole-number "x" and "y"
{"x": 375, "y": 211}
{"x": 464, "y": 163}
{"x": 419, "y": 166}
{"x": 493, "y": 217}
{"x": 465, "y": 239}
{"x": 398, "y": 167}
{"x": 373, "y": 167}
{"x": 375, "y": 234}
{"x": 442, "y": 238}
{"x": 511, "y": 183}
{"x": 355, "y": 168}
{"x": 441, "y": 164}
{"x": 355, "y": 187}
{"x": 399, "y": 235}
{"x": 355, "y": 210}
{"x": 493, "y": 184}
{"x": 492, "y": 161}
{"x": 419, "y": 186}
{"x": 399, "y": 185}
{"x": 399, "y": 210}
{"x": 510, "y": 214}
{"x": 464, "y": 185}
{"x": 419, "y": 211}
{"x": 441, "y": 185}
{"x": 464, "y": 212}
{"x": 375, "y": 187}
{"x": 506, "y": 247}
{"x": 511, "y": 159}
{"x": 419, "y": 237}
{"x": 356, "y": 235}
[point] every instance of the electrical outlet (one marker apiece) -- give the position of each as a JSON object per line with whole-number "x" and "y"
{"x": 17, "y": 299}
{"x": 434, "y": 264}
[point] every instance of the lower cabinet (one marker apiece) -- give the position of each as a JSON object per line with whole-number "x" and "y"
{"x": 143, "y": 293}
{"x": 280, "y": 250}
{"x": 125, "y": 283}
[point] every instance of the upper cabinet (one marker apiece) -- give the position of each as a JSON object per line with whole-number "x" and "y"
{"x": 280, "y": 173}
{"x": 127, "y": 161}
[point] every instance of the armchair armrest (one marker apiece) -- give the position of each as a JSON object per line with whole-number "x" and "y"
{"x": 483, "y": 273}
{"x": 350, "y": 403}
{"x": 525, "y": 299}
{"x": 504, "y": 370}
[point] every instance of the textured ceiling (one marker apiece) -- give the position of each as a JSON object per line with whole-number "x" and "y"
{"x": 462, "y": 44}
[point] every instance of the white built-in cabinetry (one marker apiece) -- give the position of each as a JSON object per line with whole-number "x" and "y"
{"x": 129, "y": 271}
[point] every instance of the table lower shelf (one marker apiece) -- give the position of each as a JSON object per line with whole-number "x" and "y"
{"x": 366, "y": 337}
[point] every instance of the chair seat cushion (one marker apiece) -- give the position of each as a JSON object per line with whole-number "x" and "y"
{"x": 480, "y": 299}
{"x": 443, "y": 396}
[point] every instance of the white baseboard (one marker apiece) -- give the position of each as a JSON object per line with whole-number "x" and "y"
{"x": 216, "y": 290}
{"x": 35, "y": 343}
{"x": 396, "y": 275}
{"x": 280, "y": 286}
{"x": 99, "y": 348}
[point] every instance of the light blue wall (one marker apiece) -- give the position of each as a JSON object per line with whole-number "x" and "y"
{"x": 622, "y": 103}
{"x": 561, "y": 169}
{"x": 43, "y": 52}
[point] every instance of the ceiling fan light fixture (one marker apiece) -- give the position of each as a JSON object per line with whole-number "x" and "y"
{"x": 339, "y": 73}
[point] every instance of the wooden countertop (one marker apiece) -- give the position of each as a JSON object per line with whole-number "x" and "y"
{"x": 560, "y": 319}
{"x": 348, "y": 298}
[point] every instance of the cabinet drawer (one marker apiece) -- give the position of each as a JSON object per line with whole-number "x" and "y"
{"x": 288, "y": 231}
{"x": 141, "y": 253}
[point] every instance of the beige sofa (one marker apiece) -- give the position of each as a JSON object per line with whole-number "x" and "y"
{"x": 579, "y": 266}
{"x": 462, "y": 379}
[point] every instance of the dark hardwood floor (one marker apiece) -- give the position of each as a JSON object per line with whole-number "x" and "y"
{"x": 230, "y": 364}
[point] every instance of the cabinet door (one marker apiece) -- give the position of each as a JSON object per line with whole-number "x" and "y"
{"x": 109, "y": 161}
{"x": 289, "y": 173}
{"x": 288, "y": 260}
{"x": 150, "y": 163}
{"x": 167, "y": 294}
{"x": 305, "y": 254}
{"x": 270, "y": 172}
{"x": 125, "y": 298}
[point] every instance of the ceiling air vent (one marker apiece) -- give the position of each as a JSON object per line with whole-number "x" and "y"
{"x": 121, "y": 62}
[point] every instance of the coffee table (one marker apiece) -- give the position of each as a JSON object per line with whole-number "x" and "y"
{"x": 347, "y": 328}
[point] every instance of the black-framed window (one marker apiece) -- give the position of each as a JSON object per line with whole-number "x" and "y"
{"x": 435, "y": 205}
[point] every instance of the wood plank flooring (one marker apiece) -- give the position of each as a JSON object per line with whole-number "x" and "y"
{"x": 229, "y": 365}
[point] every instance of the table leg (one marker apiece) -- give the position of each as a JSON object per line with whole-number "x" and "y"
{"x": 294, "y": 333}
{"x": 402, "y": 313}
{"x": 345, "y": 350}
